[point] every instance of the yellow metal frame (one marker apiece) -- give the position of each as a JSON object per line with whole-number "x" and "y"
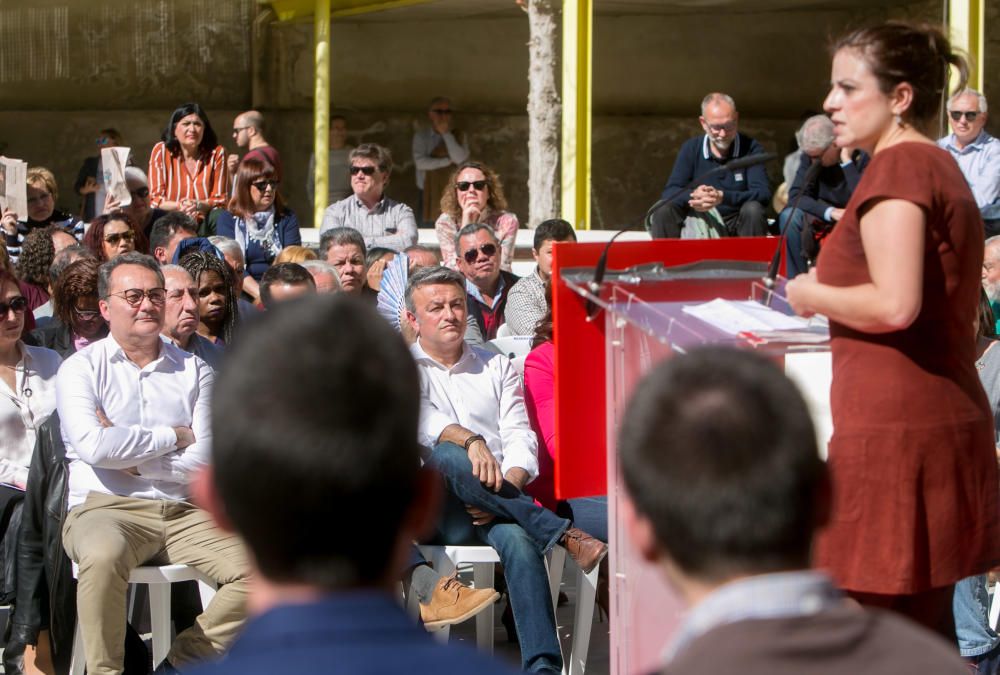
{"x": 321, "y": 109}
{"x": 967, "y": 20}
{"x": 577, "y": 80}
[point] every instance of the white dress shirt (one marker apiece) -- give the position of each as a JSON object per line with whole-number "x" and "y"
{"x": 143, "y": 405}
{"x": 482, "y": 392}
{"x": 23, "y": 410}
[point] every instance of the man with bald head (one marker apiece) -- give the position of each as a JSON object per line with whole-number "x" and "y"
{"x": 248, "y": 132}
{"x": 731, "y": 202}
{"x": 977, "y": 153}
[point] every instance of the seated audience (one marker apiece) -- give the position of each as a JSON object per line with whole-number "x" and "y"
{"x": 436, "y": 149}
{"x": 248, "y": 132}
{"x": 486, "y": 283}
{"x": 344, "y": 248}
{"x": 37, "y": 252}
{"x": 258, "y": 220}
{"x": 42, "y": 194}
{"x": 380, "y": 220}
{"x": 295, "y": 254}
{"x": 725, "y": 490}
{"x": 991, "y": 276}
{"x": 284, "y": 282}
{"x": 111, "y": 234}
{"x": 187, "y": 169}
{"x": 324, "y": 275}
{"x": 136, "y": 432}
{"x": 325, "y": 604}
{"x": 138, "y": 209}
{"x": 77, "y": 319}
{"x": 90, "y": 179}
{"x": 217, "y": 314}
{"x": 731, "y": 203}
{"x": 167, "y": 234}
{"x": 526, "y": 303}
{"x": 474, "y": 194}
{"x": 233, "y": 255}
{"x": 375, "y": 261}
{"x": 181, "y": 316}
{"x": 422, "y": 256}
{"x": 977, "y": 153}
{"x": 60, "y": 261}
{"x": 818, "y": 204}
{"x": 338, "y": 172}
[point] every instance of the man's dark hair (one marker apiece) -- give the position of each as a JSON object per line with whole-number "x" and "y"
{"x": 376, "y": 253}
{"x": 341, "y": 236}
{"x": 555, "y": 229}
{"x": 131, "y": 258}
{"x": 315, "y": 445}
{"x": 470, "y": 229}
{"x": 719, "y": 452}
{"x": 167, "y": 226}
{"x": 289, "y": 273}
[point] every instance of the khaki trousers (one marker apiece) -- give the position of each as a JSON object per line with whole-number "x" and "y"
{"x": 108, "y": 536}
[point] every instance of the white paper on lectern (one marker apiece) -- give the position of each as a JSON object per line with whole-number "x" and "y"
{"x": 741, "y": 316}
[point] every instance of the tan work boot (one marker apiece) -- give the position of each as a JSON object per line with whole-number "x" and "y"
{"x": 454, "y": 602}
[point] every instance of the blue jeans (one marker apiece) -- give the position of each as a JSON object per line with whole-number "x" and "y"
{"x": 791, "y": 227}
{"x": 521, "y": 534}
{"x": 590, "y": 514}
{"x": 971, "y": 605}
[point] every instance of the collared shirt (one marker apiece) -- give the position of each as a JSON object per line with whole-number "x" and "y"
{"x": 764, "y": 596}
{"x": 170, "y": 181}
{"x": 424, "y": 142}
{"x": 390, "y": 224}
{"x": 482, "y": 392}
{"x": 206, "y": 350}
{"x": 144, "y": 405}
{"x": 980, "y": 164}
{"x": 526, "y": 304}
{"x": 504, "y": 224}
{"x": 24, "y": 409}
{"x": 489, "y": 316}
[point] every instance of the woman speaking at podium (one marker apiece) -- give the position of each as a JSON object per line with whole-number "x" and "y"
{"x": 912, "y": 459}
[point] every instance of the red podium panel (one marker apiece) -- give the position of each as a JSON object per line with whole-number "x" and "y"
{"x": 580, "y": 383}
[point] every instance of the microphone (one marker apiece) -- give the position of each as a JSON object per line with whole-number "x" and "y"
{"x": 812, "y": 173}
{"x": 732, "y": 165}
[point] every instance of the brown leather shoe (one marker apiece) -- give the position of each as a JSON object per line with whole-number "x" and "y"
{"x": 454, "y": 602}
{"x": 584, "y": 549}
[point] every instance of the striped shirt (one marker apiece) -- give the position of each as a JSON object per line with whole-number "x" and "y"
{"x": 62, "y": 220}
{"x": 170, "y": 181}
{"x": 390, "y": 224}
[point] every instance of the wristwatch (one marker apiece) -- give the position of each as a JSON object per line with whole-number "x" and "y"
{"x": 472, "y": 439}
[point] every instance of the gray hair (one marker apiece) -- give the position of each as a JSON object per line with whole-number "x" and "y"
{"x": 135, "y": 173}
{"x": 131, "y": 258}
{"x": 816, "y": 134}
{"x": 991, "y": 243}
{"x": 65, "y": 258}
{"x": 174, "y": 268}
{"x": 227, "y": 246}
{"x": 472, "y": 228}
{"x": 430, "y": 276}
{"x": 321, "y": 267}
{"x": 716, "y": 97}
{"x": 966, "y": 91}
{"x": 341, "y": 236}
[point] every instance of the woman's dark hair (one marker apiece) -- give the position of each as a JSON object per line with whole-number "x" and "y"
{"x": 987, "y": 320}
{"x": 37, "y": 252}
{"x": 544, "y": 329}
{"x": 916, "y": 53}
{"x": 208, "y": 141}
{"x": 250, "y": 171}
{"x": 78, "y": 280}
{"x": 197, "y": 262}
{"x": 93, "y": 239}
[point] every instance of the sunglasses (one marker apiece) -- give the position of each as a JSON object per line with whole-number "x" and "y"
{"x": 489, "y": 250}
{"x": 86, "y": 314}
{"x": 16, "y": 304}
{"x": 113, "y": 239}
{"x": 464, "y": 185}
{"x": 441, "y": 111}
{"x": 366, "y": 170}
{"x": 970, "y": 115}
{"x": 141, "y": 193}
{"x": 262, "y": 185}
{"x": 134, "y": 296}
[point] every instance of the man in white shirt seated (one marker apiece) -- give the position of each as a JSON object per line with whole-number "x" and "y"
{"x": 977, "y": 153}
{"x": 136, "y": 423}
{"x": 473, "y": 417}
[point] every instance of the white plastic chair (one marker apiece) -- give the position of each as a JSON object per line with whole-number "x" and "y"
{"x": 158, "y": 578}
{"x": 512, "y": 346}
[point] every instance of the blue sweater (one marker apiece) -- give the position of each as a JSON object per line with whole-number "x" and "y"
{"x": 257, "y": 259}
{"x": 738, "y": 188}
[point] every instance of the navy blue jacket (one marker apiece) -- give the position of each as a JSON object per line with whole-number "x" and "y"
{"x": 833, "y": 185}
{"x": 356, "y": 633}
{"x": 738, "y": 188}
{"x": 257, "y": 259}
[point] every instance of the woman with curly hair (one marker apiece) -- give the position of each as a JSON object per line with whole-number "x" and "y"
{"x": 76, "y": 320}
{"x": 475, "y": 195}
{"x": 33, "y": 265}
{"x": 216, "y": 298}
{"x": 112, "y": 234}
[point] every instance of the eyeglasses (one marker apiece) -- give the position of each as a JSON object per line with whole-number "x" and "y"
{"x": 262, "y": 185}
{"x": 134, "y": 296}
{"x": 237, "y": 130}
{"x": 113, "y": 239}
{"x": 366, "y": 170}
{"x": 970, "y": 115}
{"x": 86, "y": 314}
{"x": 17, "y": 304}
{"x": 464, "y": 185}
{"x": 489, "y": 250}
{"x": 441, "y": 111}
{"x": 40, "y": 198}
{"x": 141, "y": 193}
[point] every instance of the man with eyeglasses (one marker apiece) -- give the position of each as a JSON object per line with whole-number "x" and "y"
{"x": 486, "y": 284}
{"x": 181, "y": 316}
{"x": 248, "y": 132}
{"x": 383, "y": 222}
{"x": 136, "y": 423}
{"x": 436, "y": 149}
{"x": 977, "y": 153}
{"x": 730, "y": 203}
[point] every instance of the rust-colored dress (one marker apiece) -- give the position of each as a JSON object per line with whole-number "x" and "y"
{"x": 915, "y": 503}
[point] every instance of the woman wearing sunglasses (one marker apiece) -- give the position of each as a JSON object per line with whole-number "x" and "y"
{"x": 112, "y": 234}
{"x": 76, "y": 318}
{"x": 258, "y": 220}
{"x": 475, "y": 196}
